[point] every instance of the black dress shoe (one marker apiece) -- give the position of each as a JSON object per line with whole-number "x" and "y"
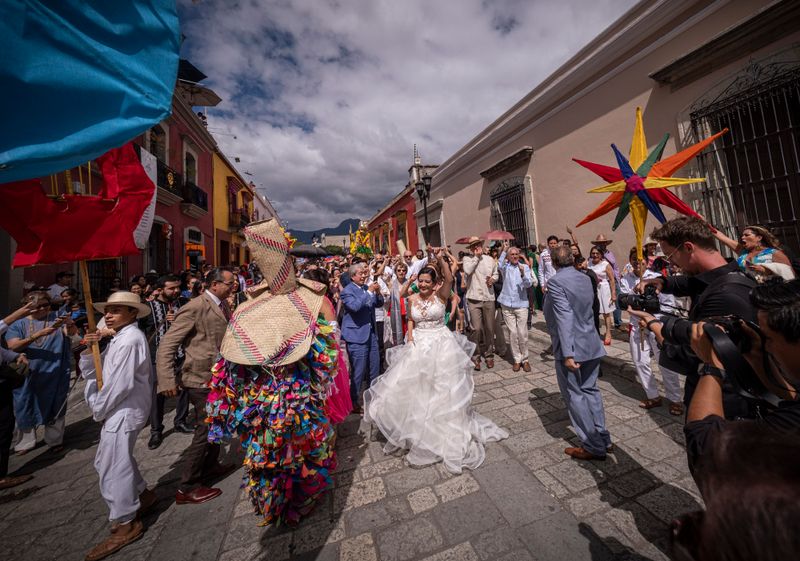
{"x": 155, "y": 440}
{"x": 184, "y": 428}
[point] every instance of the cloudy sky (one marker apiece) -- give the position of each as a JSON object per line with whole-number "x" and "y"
{"x": 326, "y": 98}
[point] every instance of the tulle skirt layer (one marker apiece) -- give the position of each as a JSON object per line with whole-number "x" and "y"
{"x": 422, "y": 402}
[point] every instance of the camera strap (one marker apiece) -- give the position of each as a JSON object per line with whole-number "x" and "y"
{"x": 733, "y": 361}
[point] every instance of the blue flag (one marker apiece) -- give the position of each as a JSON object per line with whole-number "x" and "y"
{"x": 81, "y": 77}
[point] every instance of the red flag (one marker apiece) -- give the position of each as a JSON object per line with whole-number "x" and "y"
{"x": 76, "y": 227}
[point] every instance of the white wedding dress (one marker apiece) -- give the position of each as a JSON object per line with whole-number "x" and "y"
{"x": 422, "y": 402}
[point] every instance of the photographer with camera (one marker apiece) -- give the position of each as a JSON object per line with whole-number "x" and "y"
{"x": 716, "y": 287}
{"x": 771, "y": 349}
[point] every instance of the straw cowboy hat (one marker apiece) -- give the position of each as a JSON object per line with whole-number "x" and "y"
{"x": 275, "y": 327}
{"x": 649, "y": 241}
{"x": 474, "y": 240}
{"x": 601, "y": 239}
{"x": 124, "y": 298}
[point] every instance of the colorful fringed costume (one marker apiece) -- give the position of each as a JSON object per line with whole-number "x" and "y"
{"x": 280, "y": 416}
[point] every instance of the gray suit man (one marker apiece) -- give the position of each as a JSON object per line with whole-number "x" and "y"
{"x": 577, "y": 350}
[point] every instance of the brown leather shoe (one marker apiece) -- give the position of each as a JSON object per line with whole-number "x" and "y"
{"x": 121, "y": 535}
{"x": 490, "y": 362}
{"x": 9, "y": 482}
{"x": 581, "y": 454}
{"x": 516, "y": 367}
{"x": 197, "y": 495}
{"x": 526, "y": 366}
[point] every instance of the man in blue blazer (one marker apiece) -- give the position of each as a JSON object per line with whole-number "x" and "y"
{"x": 577, "y": 350}
{"x": 359, "y": 301}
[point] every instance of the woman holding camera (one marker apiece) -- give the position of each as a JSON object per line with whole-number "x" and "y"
{"x": 44, "y": 338}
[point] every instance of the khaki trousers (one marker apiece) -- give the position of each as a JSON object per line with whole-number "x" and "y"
{"x": 516, "y": 320}
{"x": 482, "y": 320}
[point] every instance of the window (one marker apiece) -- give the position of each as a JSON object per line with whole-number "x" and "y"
{"x": 401, "y": 228}
{"x": 507, "y": 200}
{"x": 190, "y": 168}
{"x": 158, "y": 142}
{"x": 194, "y": 236}
{"x": 753, "y": 171}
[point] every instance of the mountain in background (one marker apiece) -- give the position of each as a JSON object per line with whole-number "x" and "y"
{"x": 304, "y": 236}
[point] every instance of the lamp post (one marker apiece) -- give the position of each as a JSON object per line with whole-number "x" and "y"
{"x": 423, "y": 192}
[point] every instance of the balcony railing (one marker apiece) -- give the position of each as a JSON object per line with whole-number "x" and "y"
{"x": 169, "y": 179}
{"x": 238, "y": 219}
{"x": 193, "y": 194}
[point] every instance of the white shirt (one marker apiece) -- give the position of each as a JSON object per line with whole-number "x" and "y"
{"x": 125, "y": 400}
{"x": 418, "y": 265}
{"x": 546, "y": 269}
{"x": 213, "y": 297}
{"x": 380, "y": 313}
{"x": 477, "y": 269}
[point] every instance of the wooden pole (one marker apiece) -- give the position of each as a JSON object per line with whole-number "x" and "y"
{"x": 87, "y": 295}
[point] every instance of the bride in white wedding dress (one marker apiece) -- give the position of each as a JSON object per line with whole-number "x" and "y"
{"x": 422, "y": 402}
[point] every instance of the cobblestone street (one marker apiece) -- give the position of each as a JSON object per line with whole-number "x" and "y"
{"x": 528, "y": 501}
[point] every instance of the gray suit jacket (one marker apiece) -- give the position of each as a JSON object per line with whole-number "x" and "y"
{"x": 569, "y": 316}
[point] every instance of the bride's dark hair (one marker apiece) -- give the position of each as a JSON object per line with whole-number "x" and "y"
{"x": 428, "y": 271}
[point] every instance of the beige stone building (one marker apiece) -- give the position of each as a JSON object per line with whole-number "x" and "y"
{"x": 694, "y": 67}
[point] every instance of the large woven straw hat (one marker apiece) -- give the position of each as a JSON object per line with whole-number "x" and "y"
{"x": 124, "y": 298}
{"x": 276, "y": 327}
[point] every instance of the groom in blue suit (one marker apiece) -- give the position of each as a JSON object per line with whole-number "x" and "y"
{"x": 577, "y": 350}
{"x": 359, "y": 329}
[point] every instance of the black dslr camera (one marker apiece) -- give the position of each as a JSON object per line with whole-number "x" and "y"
{"x": 647, "y": 302}
{"x": 731, "y": 343}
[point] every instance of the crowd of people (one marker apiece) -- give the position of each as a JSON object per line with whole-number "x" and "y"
{"x": 278, "y": 352}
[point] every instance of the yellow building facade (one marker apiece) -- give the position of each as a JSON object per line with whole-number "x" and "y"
{"x": 233, "y": 210}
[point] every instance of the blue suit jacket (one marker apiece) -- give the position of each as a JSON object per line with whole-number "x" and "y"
{"x": 359, "y": 312}
{"x": 569, "y": 316}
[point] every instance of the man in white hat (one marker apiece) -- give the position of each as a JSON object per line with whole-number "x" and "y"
{"x": 123, "y": 406}
{"x": 481, "y": 271}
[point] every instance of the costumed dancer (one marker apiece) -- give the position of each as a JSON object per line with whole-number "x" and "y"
{"x": 123, "y": 406}
{"x": 279, "y": 358}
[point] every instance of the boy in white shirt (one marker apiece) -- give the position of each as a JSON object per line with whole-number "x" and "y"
{"x": 643, "y": 342}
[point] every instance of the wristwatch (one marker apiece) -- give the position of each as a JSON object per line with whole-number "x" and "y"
{"x": 709, "y": 370}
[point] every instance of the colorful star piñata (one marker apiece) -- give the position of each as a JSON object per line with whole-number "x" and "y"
{"x": 640, "y": 182}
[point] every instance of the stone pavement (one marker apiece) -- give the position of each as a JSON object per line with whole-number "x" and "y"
{"x": 527, "y": 502}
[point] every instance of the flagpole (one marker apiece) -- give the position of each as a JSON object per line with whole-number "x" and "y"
{"x": 87, "y": 295}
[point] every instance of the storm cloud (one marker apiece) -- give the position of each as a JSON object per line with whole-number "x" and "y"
{"x": 323, "y": 100}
